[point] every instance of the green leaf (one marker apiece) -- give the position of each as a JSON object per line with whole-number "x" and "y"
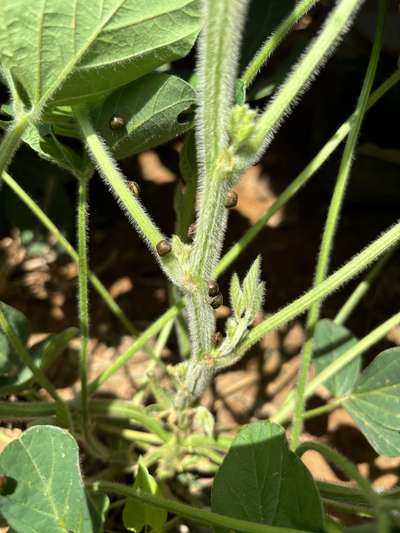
{"x": 253, "y": 289}
{"x": 44, "y": 489}
{"x": 153, "y": 109}
{"x": 9, "y": 359}
{"x": 48, "y": 147}
{"x": 375, "y": 403}
{"x": 137, "y": 515}
{"x": 69, "y": 52}
{"x": 236, "y": 296}
{"x": 262, "y": 481}
{"x": 43, "y": 354}
{"x": 330, "y": 342}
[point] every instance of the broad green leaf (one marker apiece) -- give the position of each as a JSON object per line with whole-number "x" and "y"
{"x": 9, "y": 359}
{"x": 262, "y": 481}
{"x": 137, "y": 515}
{"x": 43, "y": 354}
{"x": 154, "y": 109}
{"x": 48, "y": 147}
{"x": 375, "y": 402}
{"x": 330, "y": 342}
{"x": 69, "y": 51}
{"x": 44, "y": 489}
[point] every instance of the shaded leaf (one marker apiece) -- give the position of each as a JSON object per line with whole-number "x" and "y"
{"x": 153, "y": 109}
{"x": 50, "y": 148}
{"x": 43, "y": 354}
{"x": 137, "y": 515}
{"x": 262, "y": 481}
{"x": 73, "y": 51}
{"x": 375, "y": 402}
{"x": 42, "y": 469}
{"x": 9, "y": 359}
{"x": 330, "y": 342}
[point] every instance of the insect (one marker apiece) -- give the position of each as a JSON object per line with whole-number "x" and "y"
{"x": 191, "y": 232}
{"x": 213, "y": 288}
{"x": 231, "y": 199}
{"x": 134, "y": 188}
{"x": 217, "y": 338}
{"x": 163, "y": 248}
{"x": 117, "y": 122}
{"x": 217, "y": 301}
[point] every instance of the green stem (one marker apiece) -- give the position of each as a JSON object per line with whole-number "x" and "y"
{"x": 335, "y": 25}
{"x": 308, "y": 172}
{"x": 275, "y": 39}
{"x": 11, "y": 141}
{"x": 132, "y": 434}
{"x": 351, "y": 472}
{"x": 353, "y": 267}
{"x": 135, "y": 347}
{"x": 328, "y": 408}
{"x": 332, "y": 222}
{"x": 98, "y": 408}
{"x": 223, "y": 21}
{"x": 26, "y": 358}
{"x": 83, "y": 299}
{"x": 52, "y": 228}
{"x": 201, "y": 516}
{"x": 361, "y": 289}
{"x": 115, "y": 180}
{"x": 355, "y": 351}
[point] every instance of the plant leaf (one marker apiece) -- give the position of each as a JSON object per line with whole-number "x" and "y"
{"x": 262, "y": 481}
{"x": 236, "y": 296}
{"x": 137, "y": 515}
{"x": 44, "y": 489}
{"x": 9, "y": 359}
{"x": 375, "y": 403}
{"x": 151, "y": 107}
{"x": 69, "y": 52}
{"x": 330, "y": 342}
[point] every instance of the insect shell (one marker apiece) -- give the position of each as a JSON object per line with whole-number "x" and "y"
{"x": 134, "y": 188}
{"x": 213, "y": 288}
{"x": 163, "y": 248}
{"x": 191, "y": 232}
{"x": 117, "y": 122}
{"x": 217, "y": 301}
{"x": 231, "y": 199}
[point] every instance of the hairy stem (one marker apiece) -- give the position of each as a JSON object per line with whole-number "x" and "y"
{"x": 361, "y": 289}
{"x": 217, "y": 65}
{"x": 335, "y": 25}
{"x": 332, "y": 222}
{"x": 303, "y": 178}
{"x": 11, "y": 141}
{"x": 344, "y": 274}
{"x": 114, "y": 179}
{"x": 275, "y": 39}
{"x": 83, "y": 298}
